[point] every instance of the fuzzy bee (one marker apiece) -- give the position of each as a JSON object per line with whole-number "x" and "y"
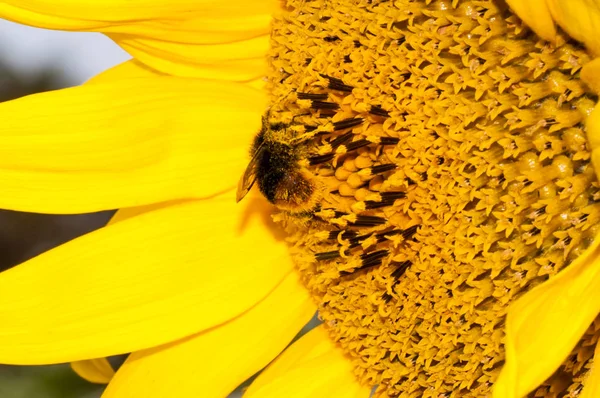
{"x": 280, "y": 159}
{"x": 277, "y": 166}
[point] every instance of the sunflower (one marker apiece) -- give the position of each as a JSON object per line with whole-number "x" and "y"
{"x": 450, "y": 142}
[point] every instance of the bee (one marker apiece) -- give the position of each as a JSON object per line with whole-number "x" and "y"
{"x": 277, "y": 164}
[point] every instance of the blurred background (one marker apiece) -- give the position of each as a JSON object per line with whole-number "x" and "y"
{"x": 31, "y": 61}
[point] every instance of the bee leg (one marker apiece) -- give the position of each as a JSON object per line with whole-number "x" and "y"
{"x": 298, "y": 115}
{"x": 309, "y": 135}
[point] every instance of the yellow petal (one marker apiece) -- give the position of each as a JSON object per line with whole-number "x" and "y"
{"x": 591, "y": 385}
{"x": 580, "y": 19}
{"x": 202, "y": 39}
{"x": 544, "y": 325}
{"x": 536, "y": 15}
{"x": 258, "y": 84}
{"x": 144, "y": 281}
{"x": 129, "y": 212}
{"x": 213, "y": 363}
{"x": 237, "y": 61}
{"x": 312, "y": 367}
{"x": 127, "y": 143}
{"x": 590, "y": 74}
{"x": 96, "y": 370}
{"x": 126, "y": 70}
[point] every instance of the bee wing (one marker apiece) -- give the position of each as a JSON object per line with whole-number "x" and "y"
{"x": 249, "y": 177}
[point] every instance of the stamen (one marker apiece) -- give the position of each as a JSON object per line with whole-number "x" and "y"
{"x": 379, "y": 111}
{"x": 401, "y": 268}
{"x": 315, "y": 104}
{"x": 357, "y": 144}
{"x": 315, "y": 160}
{"x": 345, "y": 234}
{"x": 382, "y": 168}
{"x": 327, "y": 255}
{"x": 342, "y": 139}
{"x": 410, "y": 232}
{"x": 347, "y": 123}
{"x": 368, "y": 260}
{"x": 387, "y": 199}
{"x": 372, "y": 259}
{"x": 312, "y": 96}
{"x": 337, "y": 84}
{"x": 368, "y": 221}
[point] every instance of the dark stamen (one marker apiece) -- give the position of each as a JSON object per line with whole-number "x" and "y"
{"x": 337, "y": 84}
{"x": 371, "y": 204}
{"x": 382, "y": 168}
{"x": 331, "y": 39}
{"x": 368, "y": 260}
{"x": 368, "y": 221}
{"x": 342, "y": 139}
{"x": 357, "y": 144}
{"x": 324, "y": 105}
{"x": 379, "y": 111}
{"x": 347, "y": 123}
{"x": 311, "y": 96}
{"x": 314, "y": 160}
{"x": 387, "y": 199}
{"x": 356, "y": 240}
{"x": 402, "y": 267}
{"x": 327, "y": 255}
{"x": 382, "y": 236}
{"x": 410, "y": 232}
{"x": 392, "y": 195}
{"x": 389, "y": 140}
{"x": 386, "y": 297}
{"x": 374, "y": 258}
{"x": 345, "y": 235}
{"x": 347, "y": 59}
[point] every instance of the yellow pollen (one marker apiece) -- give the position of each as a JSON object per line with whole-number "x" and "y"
{"x": 465, "y": 183}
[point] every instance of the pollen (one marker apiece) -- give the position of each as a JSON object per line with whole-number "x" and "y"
{"x": 450, "y": 146}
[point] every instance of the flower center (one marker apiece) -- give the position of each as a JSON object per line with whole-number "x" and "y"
{"x": 449, "y": 145}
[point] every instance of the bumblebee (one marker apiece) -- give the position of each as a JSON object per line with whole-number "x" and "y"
{"x": 277, "y": 166}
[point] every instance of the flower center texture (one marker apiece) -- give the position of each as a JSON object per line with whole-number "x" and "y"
{"x": 448, "y": 147}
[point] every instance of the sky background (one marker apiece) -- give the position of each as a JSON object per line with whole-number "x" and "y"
{"x": 77, "y": 56}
